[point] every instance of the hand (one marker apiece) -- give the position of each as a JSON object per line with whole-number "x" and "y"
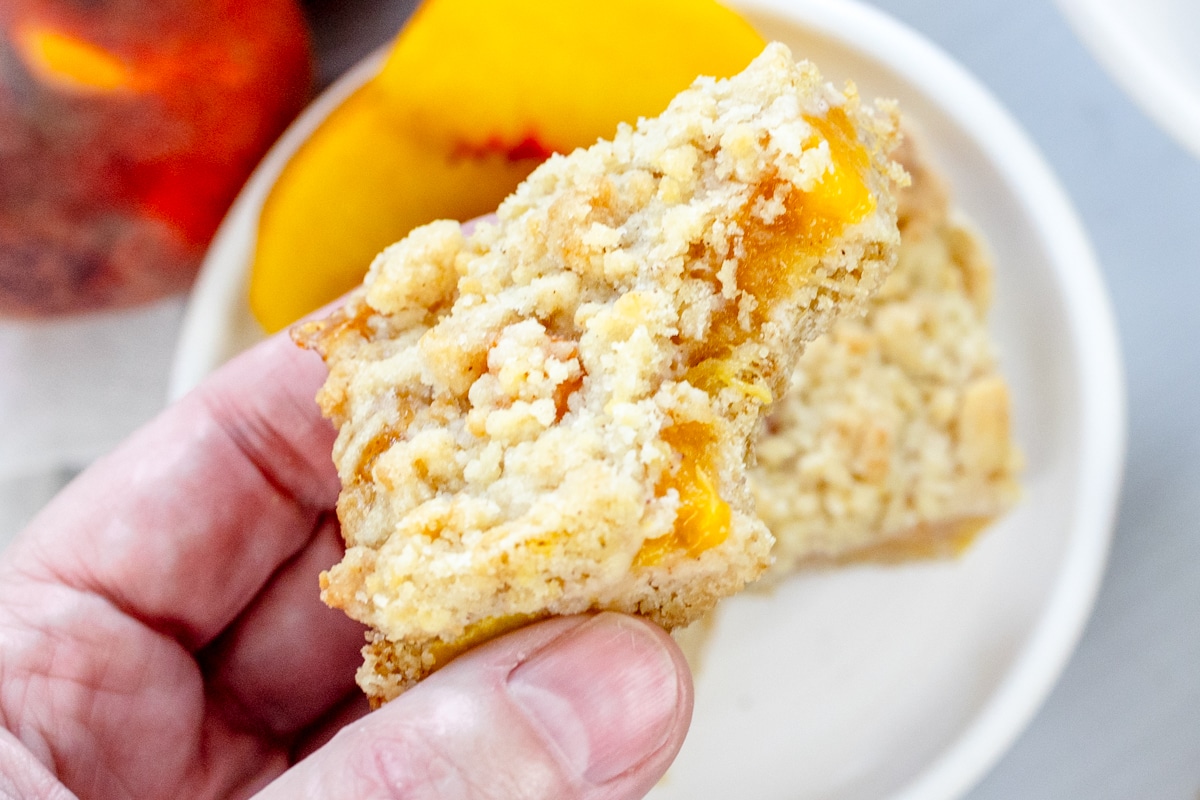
{"x": 161, "y": 637}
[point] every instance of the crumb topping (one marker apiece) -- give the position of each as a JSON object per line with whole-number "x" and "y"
{"x": 554, "y": 413}
{"x": 894, "y": 440}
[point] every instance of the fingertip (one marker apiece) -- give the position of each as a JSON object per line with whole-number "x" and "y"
{"x": 612, "y": 696}
{"x": 578, "y": 708}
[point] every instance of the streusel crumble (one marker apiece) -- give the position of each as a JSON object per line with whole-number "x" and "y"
{"x": 553, "y": 414}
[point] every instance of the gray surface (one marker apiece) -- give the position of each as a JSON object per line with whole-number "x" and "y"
{"x": 1124, "y": 722}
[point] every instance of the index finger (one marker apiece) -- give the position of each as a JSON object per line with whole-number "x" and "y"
{"x": 183, "y": 524}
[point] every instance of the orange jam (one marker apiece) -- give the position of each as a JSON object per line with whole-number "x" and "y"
{"x": 703, "y": 520}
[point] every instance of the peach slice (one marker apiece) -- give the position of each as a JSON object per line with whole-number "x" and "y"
{"x": 473, "y": 95}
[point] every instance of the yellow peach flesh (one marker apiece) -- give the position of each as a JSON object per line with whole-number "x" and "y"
{"x": 811, "y": 221}
{"x": 476, "y": 634}
{"x": 703, "y": 520}
{"x": 471, "y": 98}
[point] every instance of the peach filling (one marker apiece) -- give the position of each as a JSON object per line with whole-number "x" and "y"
{"x": 714, "y": 374}
{"x": 842, "y": 198}
{"x": 775, "y": 257}
{"x": 703, "y": 519}
{"x": 476, "y": 634}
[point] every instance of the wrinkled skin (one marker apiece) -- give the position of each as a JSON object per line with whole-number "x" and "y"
{"x": 161, "y": 637}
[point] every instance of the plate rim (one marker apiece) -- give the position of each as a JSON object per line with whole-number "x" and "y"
{"x": 1135, "y": 66}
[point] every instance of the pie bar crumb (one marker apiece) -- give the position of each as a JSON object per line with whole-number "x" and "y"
{"x": 553, "y": 414}
{"x": 894, "y": 440}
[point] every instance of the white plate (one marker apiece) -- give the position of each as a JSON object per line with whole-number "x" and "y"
{"x": 872, "y": 682}
{"x": 1151, "y": 48}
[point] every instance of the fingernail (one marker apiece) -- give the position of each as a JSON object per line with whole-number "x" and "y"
{"x": 606, "y": 695}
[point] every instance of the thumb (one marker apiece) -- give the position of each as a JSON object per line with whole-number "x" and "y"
{"x": 579, "y": 708}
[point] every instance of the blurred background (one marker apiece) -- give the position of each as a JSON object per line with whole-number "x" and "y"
{"x": 1124, "y": 721}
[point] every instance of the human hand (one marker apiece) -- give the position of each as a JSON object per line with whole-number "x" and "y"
{"x": 161, "y": 636}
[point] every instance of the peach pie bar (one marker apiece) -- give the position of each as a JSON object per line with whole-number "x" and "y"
{"x": 553, "y": 414}
{"x": 893, "y": 441}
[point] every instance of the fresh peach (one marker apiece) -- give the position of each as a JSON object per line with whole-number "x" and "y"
{"x": 126, "y": 129}
{"x": 473, "y": 95}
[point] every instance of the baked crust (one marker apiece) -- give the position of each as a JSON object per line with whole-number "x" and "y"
{"x": 553, "y": 414}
